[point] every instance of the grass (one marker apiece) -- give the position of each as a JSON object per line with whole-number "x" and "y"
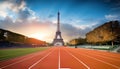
{"x": 6, "y": 54}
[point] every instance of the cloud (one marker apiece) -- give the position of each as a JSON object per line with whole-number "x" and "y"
{"x": 24, "y": 14}
{"x": 12, "y": 5}
{"x": 111, "y": 17}
{"x": 29, "y": 27}
{"x": 26, "y": 22}
{"x": 16, "y": 5}
{"x": 70, "y": 32}
{"x": 46, "y": 28}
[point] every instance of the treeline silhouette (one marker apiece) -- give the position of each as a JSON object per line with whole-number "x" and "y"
{"x": 11, "y": 39}
{"x": 77, "y": 41}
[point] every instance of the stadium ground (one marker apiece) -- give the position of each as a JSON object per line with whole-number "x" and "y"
{"x": 65, "y": 58}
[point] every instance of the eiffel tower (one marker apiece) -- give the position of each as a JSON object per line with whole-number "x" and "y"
{"x": 58, "y": 41}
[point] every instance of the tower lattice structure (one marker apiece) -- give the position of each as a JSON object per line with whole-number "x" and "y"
{"x": 58, "y": 40}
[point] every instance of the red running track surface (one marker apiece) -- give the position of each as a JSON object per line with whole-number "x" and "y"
{"x": 65, "y": 58}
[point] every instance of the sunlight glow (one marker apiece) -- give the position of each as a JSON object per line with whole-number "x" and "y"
{"x": 38, "y": 35}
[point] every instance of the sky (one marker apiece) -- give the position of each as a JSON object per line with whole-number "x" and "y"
{"x": 38, "y": 18}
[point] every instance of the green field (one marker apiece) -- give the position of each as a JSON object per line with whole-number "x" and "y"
{"x": 16, "y": 52}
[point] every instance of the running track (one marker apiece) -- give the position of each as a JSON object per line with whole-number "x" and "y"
{"x": 65, "y": 58}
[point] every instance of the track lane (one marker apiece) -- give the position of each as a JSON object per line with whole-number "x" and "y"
{"x": 59, "y": 59}
{"x": 70, "y": 61}
{"x": 33, "y": 65}
{"x": 23, "y": 62}
{"x": 103, "y": 53}
{"x": 65, "y": 58}
{"x": 106, "y": 58}
{"x": 49, "y": 62}
{"x": 91, "y": 61}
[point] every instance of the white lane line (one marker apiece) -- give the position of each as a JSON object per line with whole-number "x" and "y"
{"x": 59, "y": 59}
{"x": 101, "y": 61}
{"x": 39, "y": 60}
{"x": 78, "y": 60}
{"x": 19, "y": 61}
